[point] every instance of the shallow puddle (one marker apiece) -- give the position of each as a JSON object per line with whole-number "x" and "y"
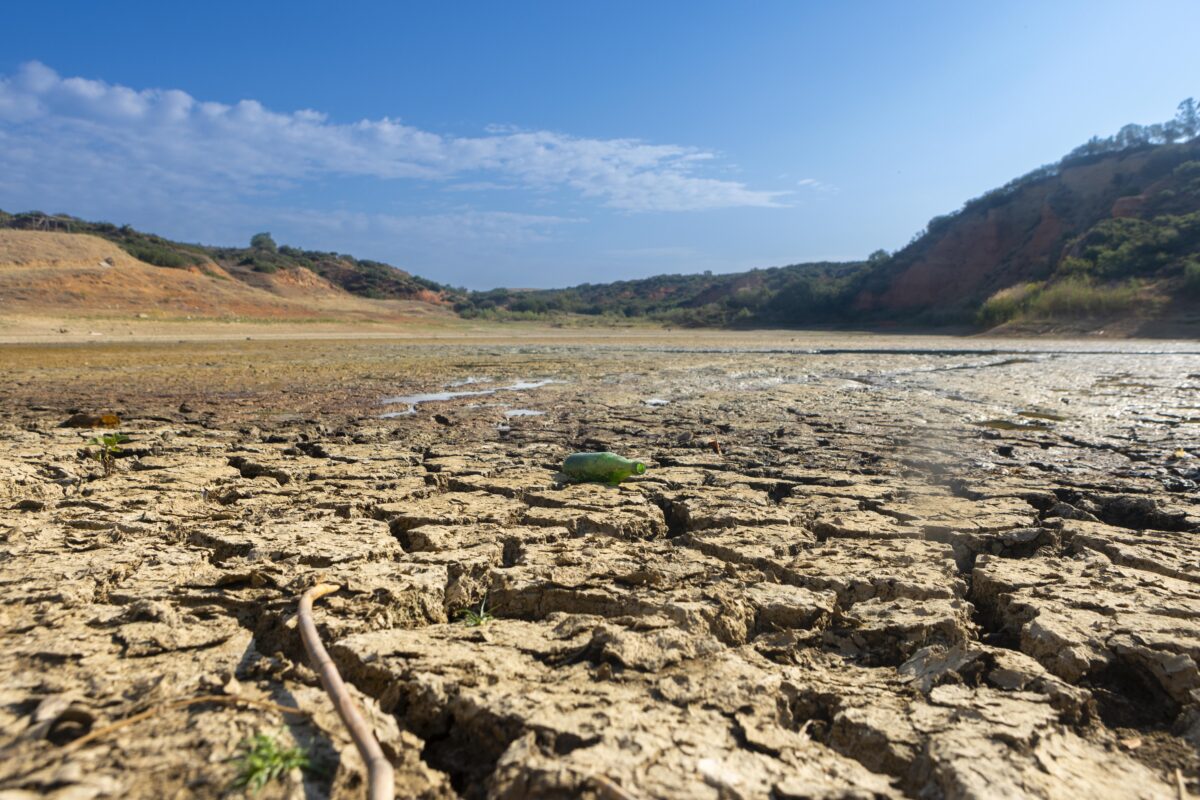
{"x": 522, "y": 412}
{"x": 414, "y": 400}
{"x": 1009, "y": 425}
{"x": 1041, "y": 415}
{"x": 431, "y": 397}
{"x": 521, "y": 386}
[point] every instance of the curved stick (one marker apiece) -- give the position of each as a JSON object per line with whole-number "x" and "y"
{"x": 609, "y": 790}
{"x": 381, "y": 785}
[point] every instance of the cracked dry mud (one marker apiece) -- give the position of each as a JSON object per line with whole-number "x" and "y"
{"x": 845, "y": 575}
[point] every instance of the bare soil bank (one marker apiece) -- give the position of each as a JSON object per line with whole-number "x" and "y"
{"x": 53, "y": 282}
{"x": 892, "y": 568}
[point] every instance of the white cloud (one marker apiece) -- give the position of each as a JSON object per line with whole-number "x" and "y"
{"x": 461, "y": 226}
{"x": 816, "y": 185}
{"x": 68, "y": 136}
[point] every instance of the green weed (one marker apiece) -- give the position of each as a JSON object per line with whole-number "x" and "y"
{"x": 107, "y": 447}
{"x": 474, "y": 619}
{"x": 263, "y": 761}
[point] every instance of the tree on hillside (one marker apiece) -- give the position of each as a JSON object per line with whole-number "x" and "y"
{"x": 1188, "y": 118}
{"x": 1165, "y": 132}
{"x": 878, "y": 257}
{"x": 263, "y": 241}
{"x": 1132, "y": 135}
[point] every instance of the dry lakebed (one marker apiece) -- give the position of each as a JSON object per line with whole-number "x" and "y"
{"x": 856, "y": 567}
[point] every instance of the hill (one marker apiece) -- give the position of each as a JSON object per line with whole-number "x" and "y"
{"x": 1111, "y": 231}
{"x": 80, "y": 275}
{"x": 1098, "y": 234}
{"x": 365, "y": 278}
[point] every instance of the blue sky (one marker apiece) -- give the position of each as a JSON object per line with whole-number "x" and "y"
{"x": 548, "y": 144}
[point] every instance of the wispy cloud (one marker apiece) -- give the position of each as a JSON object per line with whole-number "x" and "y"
{"x": 463, "y": 225}
{"x": 813, "y": 183}
{"x": 79, "y": 135}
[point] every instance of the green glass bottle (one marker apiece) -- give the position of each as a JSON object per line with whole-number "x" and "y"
{"x": 607, "y": 468}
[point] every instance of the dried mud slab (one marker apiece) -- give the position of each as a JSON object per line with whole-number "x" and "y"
{"x": 1085, "y": 617}
{"x": 594, "y": 576}
{"x": 851, "y": 571}
{"x": 526, "y": 710}
{"x": 318, "y": 543}
{"x": 1175, "y": 554}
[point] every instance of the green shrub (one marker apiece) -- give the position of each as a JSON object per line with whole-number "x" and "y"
{"x": 1126, "y": 247}
{"x": 263, "y": 241}
{"x": 1191, "y": 278}
{"x": 1007, "y": 304}
{"x": 1080, "y": 297}
{"x": 158, "y": 256}
{"x": 1072, "y": 265}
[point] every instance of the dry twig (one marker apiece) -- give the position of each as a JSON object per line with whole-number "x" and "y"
{"x": 380, "y": 782}
{"x": 223, "y": 699}
{"x": 609, "y": 790}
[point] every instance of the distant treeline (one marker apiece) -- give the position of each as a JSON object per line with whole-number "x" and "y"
{"x": 777, "y": 296}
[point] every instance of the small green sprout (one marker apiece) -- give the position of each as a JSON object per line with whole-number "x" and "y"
{"x": 263, "y": 761}
{"x": 107, "y": 447}
{"x": 474, "y": 619}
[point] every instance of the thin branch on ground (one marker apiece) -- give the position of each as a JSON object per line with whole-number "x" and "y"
{"x": 609, "y": 790}
{"x": 222, "y": 699}
{"x": 380, "y": 781}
